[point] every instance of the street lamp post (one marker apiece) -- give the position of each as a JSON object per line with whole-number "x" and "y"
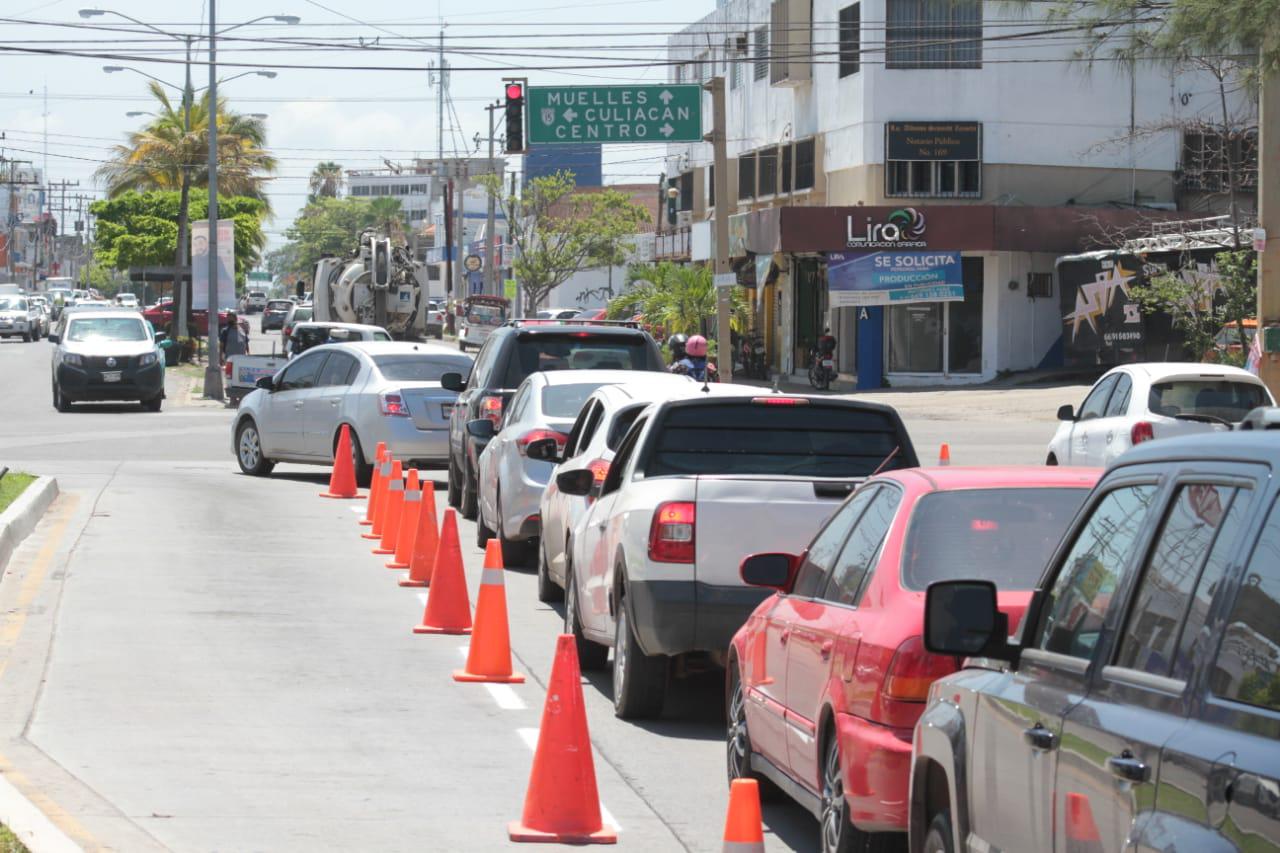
{"x": 213, "y": 367}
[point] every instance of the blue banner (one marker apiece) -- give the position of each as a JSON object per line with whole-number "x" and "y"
{"x": 893, "y": 278}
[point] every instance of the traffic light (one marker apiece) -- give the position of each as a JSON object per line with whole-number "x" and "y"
{"x": 515, "y": 118}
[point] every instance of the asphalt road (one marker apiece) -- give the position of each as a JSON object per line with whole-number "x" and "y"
{"x": 212, "y": 661}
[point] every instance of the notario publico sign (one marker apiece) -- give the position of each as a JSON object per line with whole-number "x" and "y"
{"x": 904, "y": 228}
{"x": 568, "y": 114}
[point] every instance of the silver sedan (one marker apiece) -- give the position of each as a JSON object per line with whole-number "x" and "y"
{"x": 384, "y": 391}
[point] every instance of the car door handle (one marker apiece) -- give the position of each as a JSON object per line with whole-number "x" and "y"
{"x": 1039, "y": 737}
{"x": 298, "y": 404}
{"x": 1125, "y": 766}
{"x": 826, "y": 648}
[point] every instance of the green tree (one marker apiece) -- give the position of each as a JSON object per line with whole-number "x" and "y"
{"x": 1200, "y": 305}
{"x": 326, "y": 180}
{"x": 388, "y": 218}
{"x": 557, "y": 231}
{"x": 331, "y": 226}
{"x": 677, "y": 299}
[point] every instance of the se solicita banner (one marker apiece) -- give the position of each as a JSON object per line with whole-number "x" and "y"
{"x": 893, "y": 278}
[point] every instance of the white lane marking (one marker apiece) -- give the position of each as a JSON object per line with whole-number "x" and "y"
{"x": 356, "y": 509}
{"x": 506, "y": 698}
{"x": 530, "y": 738}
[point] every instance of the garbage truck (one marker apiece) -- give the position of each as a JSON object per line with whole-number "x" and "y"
{"x": 377, "y": 284}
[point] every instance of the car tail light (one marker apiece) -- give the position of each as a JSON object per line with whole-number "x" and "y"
{"x": 491, "y": 408}
{"x": 913, "y": 669}
{"x": 288, "y": 330}
{"x": 226, "y": 368}
{"x": 1142, "y": 431}
{"x": 780, "y": 401}
{"x": 393, "y": 405}
{"x": 671, "y": 533}
{"x": 599, "y": 470}
{"x": 523, "y": 442}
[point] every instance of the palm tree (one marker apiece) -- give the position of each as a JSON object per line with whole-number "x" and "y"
{"x": 388, "y": 218}
{"x": 676, "y": 299}
{"x": 326, "y": 180}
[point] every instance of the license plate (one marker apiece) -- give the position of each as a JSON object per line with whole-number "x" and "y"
{"x": 111, "y": 376}
{"x": 827, "y": 362}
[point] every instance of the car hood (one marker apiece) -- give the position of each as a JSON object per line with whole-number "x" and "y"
{"x": 105, "y": 348}
{"x": 13, "y": 315}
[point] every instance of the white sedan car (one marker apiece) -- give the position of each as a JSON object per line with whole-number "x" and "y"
{"x": 385, "y": 391}
{"x": 510, "y": 479}
{"x": 596, "y": 434}
{"x": 1140, "y": 402}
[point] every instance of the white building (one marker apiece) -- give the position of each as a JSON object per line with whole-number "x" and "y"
{"x": 963, "y": 123}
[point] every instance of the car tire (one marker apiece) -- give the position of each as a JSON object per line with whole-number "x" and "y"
{"x": 639, "y": 680}
{"x": 470, "y": 505}
{"x": 837, "y": 832}
{"x": 249, "y": 450}
{"x": 60, "y": 401}
{"x": 154, "y": 404}
{"x": 515, "y": 552}
{"x": 26, "y": 337}
{"x": 591, "y": 656}
{"x": 462, "y": 347}
{"x": 1052, "y": 460}
{"x": 940, "y": 837}
{"x": 548, "y": 591}
{"x": 454, "y": 491}
{"x": 363, "y": 470}
{"x": 483, "y": 532}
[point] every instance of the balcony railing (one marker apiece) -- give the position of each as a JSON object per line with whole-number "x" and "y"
{"x": 673, "y": 245}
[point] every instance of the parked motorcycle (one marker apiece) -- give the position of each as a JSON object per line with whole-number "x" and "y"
{"x": 822, "y": 362}
{"x": 753, "y": 357}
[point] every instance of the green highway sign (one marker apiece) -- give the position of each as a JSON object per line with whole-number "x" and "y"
{"x": 569, "y": 114}
{"x": 255, "y": 275}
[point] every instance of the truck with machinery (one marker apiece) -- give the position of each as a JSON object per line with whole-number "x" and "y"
{"x": 378, "y": 284}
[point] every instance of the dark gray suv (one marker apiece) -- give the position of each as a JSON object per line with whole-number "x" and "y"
{"x": 1140, "y": 707}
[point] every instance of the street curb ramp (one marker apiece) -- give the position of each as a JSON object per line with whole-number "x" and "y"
{"x": 23, "y": 514}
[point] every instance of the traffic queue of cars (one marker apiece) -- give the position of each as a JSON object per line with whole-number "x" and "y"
{"x": 897, "y": 658}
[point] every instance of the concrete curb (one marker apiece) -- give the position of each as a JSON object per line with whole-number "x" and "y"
{"x": 23, "y": 514}
{"x": 30, "y": 825}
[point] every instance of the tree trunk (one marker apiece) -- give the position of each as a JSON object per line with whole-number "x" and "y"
{"x": 181, "y": 290}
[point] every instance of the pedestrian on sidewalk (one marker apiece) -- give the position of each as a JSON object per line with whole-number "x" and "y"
{"x": 232, "y": 338}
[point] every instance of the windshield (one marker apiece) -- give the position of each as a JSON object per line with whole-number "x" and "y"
{"x": 417, "y": 367}
{"x": 1005, "y": 536}
{"x": 302, "y": 315}
{"x": 565, "y": 401}
{"x": 106, "y": 329}
{"x": 755, "y": 438}
{"x": 279, "y": 305}
{"x": 579, "y": 351}
{"x": 1218, "y": 398}
{"x": 487, "y": 315}
{"x": 12, "y": 303}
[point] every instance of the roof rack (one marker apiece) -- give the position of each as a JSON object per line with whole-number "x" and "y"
{"x": 572, "y": 321}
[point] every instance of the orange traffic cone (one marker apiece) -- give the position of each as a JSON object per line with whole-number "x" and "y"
{"x": 425, "y": 542}
{"x": 391, "y": 470}
{"x": 562, "y": 804}
{"x": 448, "y": 608}
{"x": 342, "y": 482}
{"x": 393, "y": 505}
{"x": 489, "y": 658}
{"x": 374, "y": 484}
{"x": 944, "y": 455}
{"x": 743, "y": 830}
{"x": 408, "y": 522}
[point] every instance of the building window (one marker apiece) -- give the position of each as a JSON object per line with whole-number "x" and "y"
{"x": 1204, "y": 160}
{"x": 933, "y": 178}
{"x": 804, "y": 164}
{"x": 711, "y": 186}
{"x": 788, "y": 158}
{"x": 850, "y": 40}
{"x": 768, "y": 180}
{"x": 736, "y": 60}
{"x": 679, "y": 73}
{"x": 934, "y": 34}
{"x": 746, "y": 177}
{"x": 761, "y": 67}
{"x": 686, "y": 190}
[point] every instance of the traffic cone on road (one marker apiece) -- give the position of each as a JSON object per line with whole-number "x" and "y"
{"x": 380, "y": 456}
{"x": 391, "y": 470}
{"x": 408, "y": 528}
{"x": 425, "y": 542}
{"x": 743, "y": 830}
{"x": 448, "y": 607}
{"x": 944, "y": 455}
{"x": 562, "y": 804}
{"x": 489, "y": 658}
{"x": 342, "y": 482}
{"x": 393, "y": 504}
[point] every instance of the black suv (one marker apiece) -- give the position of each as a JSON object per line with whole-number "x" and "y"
{"x": 511, "y": 353}
{"x": 1140, "y": 707}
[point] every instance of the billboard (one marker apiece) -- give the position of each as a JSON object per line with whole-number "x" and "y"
{"x": 893, "y": 278}
{"x": 200, "y": 264}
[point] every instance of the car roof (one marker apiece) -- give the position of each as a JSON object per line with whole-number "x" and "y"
{"x": 1158, "y": 370}
{"x": 1258, "y": 446}
{"x": 552, "y": 327}
{"x": 581, "y": 377}
{"x": 326, "y": 324}
{"x": 108, "y": 311}
{"x": 398, "y": 348}
{"x": 938, "y": 479}
{"x": 645, "y": 386}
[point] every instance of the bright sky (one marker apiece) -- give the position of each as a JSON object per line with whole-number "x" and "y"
{"x": 353, "y": 117}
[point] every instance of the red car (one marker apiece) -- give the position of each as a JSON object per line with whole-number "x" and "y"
{"x": 828, "y": 676}
{"x": 161, "y": 314}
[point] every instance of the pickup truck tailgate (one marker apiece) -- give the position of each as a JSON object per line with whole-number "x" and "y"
{"x": 742, "y": 515}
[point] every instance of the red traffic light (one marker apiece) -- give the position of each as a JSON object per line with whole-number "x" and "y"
{"x": 515, "y": 91}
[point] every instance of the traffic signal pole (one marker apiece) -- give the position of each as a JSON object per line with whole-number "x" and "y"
{"x": 491, "y": 284}
{"x": 724, "y": 295}
{"x": 1269, "y": 221}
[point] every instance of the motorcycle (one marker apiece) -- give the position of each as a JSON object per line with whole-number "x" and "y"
{"x": 704, "y": 372}
{"x": 822, "y": 363}
{"x": 752, "y": 355}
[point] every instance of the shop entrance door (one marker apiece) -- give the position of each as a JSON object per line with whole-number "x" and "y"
{"x": 940, "y": 337}
{"x": 810, "y": 294}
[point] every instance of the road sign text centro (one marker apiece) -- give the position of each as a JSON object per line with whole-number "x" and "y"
{"x": 565, "y": 114}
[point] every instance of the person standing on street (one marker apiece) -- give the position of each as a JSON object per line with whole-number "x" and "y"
{"x": 232, "y": 338}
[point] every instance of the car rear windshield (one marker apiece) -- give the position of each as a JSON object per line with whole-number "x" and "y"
{"x": 565, "y": 401}
{"x": 1005, "y": 536}
{"x": 302, "y": 315}
{"x": 579, "y": 351}
{"x": 279, "y": 305}
{"x": 413, "y": 367}
{"x": 757, "y": 438}
{"x": 1224, "y": 399}
{"x": 487, "y": 315}
{"x": 106, "y": 329}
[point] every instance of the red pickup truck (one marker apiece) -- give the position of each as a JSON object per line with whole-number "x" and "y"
{"x": 161, "y": 315}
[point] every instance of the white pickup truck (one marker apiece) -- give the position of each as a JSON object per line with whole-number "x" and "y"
{"x": 700, "y": 482}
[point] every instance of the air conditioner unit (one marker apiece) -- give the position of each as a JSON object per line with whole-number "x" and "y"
{"x": 791, "y": 43}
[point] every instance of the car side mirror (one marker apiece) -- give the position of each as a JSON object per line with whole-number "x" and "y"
{"x": 53, "y": 339}
{"x": 481, "y": 428}
{"x": 579, "y": 482}
{"x": 544, "y": 450}
{"x": 961, "y": 619}
{"x": 161, "y": 336}
{"x": 266, "y": 382}
{"x": 453, "y": 382}
{"x": 773, "y": 571}
{"x": 1066, "y": 413}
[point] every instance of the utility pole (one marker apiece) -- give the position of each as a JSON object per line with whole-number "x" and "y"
{"x": 11, "y": 215}
{"x": 213, "y": 369}
{"x": 460, "y": 206}
{"x": 181, "y": 297}
{"x": 719, "y": 140}
{"x": 449, "y": 316}
{"x": 442, "y": 86}
{"x": 491, "y": 283}
{"x": 1269, "y": 222}
{"x": 61, "y": 187}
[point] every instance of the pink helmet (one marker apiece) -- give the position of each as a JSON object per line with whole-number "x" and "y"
{"x": 696, "y": 346}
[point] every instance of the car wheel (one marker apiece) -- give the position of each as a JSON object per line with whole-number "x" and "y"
{"x": 839, "y": 835}
{"x": 483, "y": 532}
{"x": 461, "y": 346}
{"x": 362, "y": 469}
{"x": 639, "y": 680}
{"x": 249, "y": 450}
{"x": 940, "y": 837}
{"x": 1052, "y": 460}
{"x": 547, "y": 589}
{"x": 154, "y": 404}
{"x": 738, "y": 746}
{"x": 470, "y": 505}
{"x": 454, "y": 491}
{"x": 26, "y": 337}
{"x": 515, "y": 553}
{"x": 591, "y": 656}
{"x": 60, "y": 401}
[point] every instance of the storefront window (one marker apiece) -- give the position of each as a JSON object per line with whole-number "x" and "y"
{"x": 917, "y": 331}
{"x": 915, "y": 338}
